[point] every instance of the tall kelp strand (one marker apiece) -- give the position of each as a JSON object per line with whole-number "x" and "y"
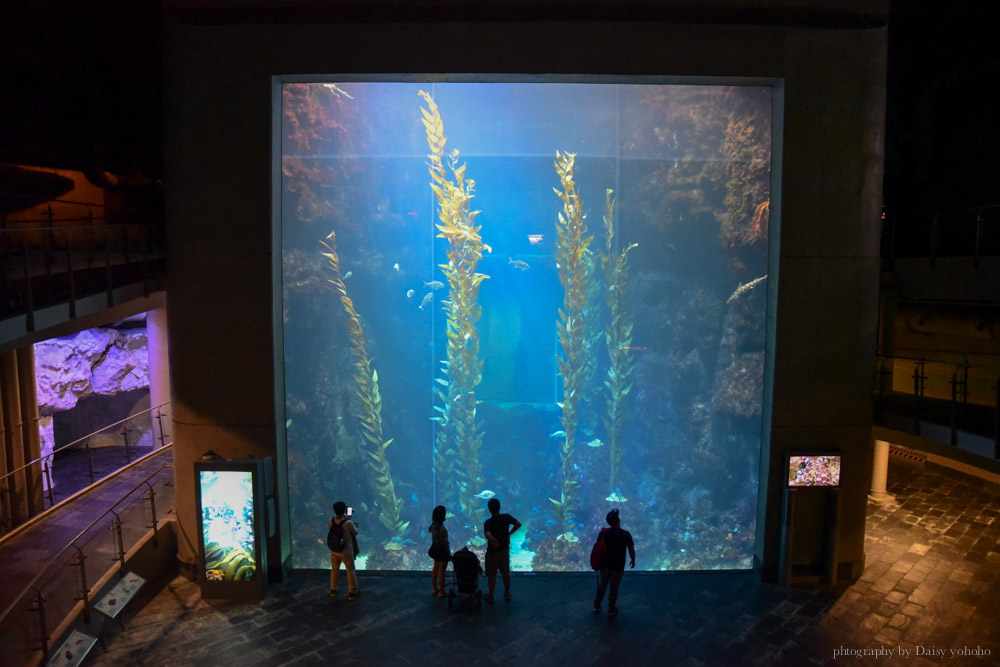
{"x": 459, "y": 434}
{"x": 370, "y": 408}
{"x": 618, "y": 335}
{"x": 572, "y": 329}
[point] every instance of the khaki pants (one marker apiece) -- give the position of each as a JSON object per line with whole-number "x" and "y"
{"x": 347, "y": 558}
{"x": 615, "y": 579}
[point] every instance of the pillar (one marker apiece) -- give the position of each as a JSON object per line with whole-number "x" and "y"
{"x": 13, "y": 442}
{"x": 159, "y": 373}
{"x": 880, "y": 468}
{"x": 29, "y": 428}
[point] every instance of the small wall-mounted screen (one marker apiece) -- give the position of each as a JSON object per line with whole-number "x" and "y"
{"x": 227, "y": 525}
{"x": 814, "y": 470}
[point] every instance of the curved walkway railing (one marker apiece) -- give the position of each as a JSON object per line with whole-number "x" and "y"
{"x": 29, "y": 620}
{"x": 960, "y": 396}
{"x": 71, "y": 252}
{"x": 58, "y": 475}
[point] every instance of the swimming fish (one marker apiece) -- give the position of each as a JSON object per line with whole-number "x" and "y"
{"x": 409, "y": 294}
{"x": 427, "y": 299}
{"x": 616, "y": 497}
{"x": 596, "y": 442}
{"x": 364, "y": 507}
{"x": 485, "y": 494}
{"x": 434, "y": 284}
{"x": 558, "y": 434}
{"x": 518, "y": 264}
{"x": 535, "y": 239}
{"x": 742, "y": 289}
{"x": 396, "y": 267}
{"x": 288, "y": 424}
{"x": 347, "y": 275}
{"x": 569, "y": 537}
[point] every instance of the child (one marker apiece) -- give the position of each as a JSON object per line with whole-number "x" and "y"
{"x": 440, "y": 551}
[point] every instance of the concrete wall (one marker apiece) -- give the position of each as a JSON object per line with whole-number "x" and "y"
{"x": 224, "y": 299}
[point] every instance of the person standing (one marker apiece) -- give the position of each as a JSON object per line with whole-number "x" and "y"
{"x": 339, "y": 540}
{"x": 440, "y": 550}
{"x": 498, "y": 529}
{"x": 616, "y": 541}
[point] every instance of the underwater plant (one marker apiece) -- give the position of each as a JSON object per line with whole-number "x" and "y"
{"x": 370, "y": 413}
{"x": 572, "y": 329}
{"x": 459, "y": 433}
{"x": 618, "y": 335}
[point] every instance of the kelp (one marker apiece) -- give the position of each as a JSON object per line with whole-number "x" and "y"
{"x": 459, "y": 435}
{"x": 370, "y": 411}
{"x": 572, "y": 329}
{"x": 618, "y": 336}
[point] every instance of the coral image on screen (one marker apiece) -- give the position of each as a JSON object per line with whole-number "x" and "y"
{"x": 813, "y": 471}
{"x": 551, "y": 294}
{"x": 227, "y": 525}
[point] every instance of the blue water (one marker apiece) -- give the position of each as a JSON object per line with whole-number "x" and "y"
{"x": 689, "y": 167}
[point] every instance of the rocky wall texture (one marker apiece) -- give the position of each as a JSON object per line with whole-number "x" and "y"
{"x": 91, "y": 363}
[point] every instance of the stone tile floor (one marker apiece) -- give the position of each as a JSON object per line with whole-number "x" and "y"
{"x": 931, "y": 586}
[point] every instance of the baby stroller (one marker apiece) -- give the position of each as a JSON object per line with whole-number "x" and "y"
{"x": 465, "y": 577}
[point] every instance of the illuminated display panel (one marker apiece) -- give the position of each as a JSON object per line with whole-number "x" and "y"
{"x": 814, "y": 470}
{"x": 228, "y": 525}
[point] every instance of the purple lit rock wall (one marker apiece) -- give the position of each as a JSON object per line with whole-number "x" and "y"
{"x": 73, "y": 372}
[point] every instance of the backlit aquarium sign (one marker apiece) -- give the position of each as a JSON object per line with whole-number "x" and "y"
{"x": 227, "y": 522}
{"x": 551, "y": 294}
{"x": 814, "y": 470}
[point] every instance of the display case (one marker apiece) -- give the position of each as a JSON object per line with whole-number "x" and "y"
{"x": 230, "y": 495}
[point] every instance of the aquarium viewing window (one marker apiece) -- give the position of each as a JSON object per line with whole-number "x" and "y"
{"x": 552, "y": 294}
{"x": 808, "y": 470}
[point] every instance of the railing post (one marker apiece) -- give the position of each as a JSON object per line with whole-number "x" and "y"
{"x": 47, "y": 471}
{"x": 918, "y": 392}
{"x": 107, "y": 273}
{"x": 128, "y": 445}
{"x": 71, "y": 279}
{"x": 159, "y": 420}
{"x": 90, "y": 461}
{"x": 29, "y": 305}
{"x": 954, "y": 408}
{"x": 84, "y": 590}
{"x": 152, "y": 506}
{"x": 39, "y": 606}
{"x": 116, "y": 527}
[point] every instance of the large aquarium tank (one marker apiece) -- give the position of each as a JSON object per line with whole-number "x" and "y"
{"x": 548, "y": 293}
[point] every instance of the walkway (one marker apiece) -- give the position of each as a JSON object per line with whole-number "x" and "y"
{"x": 932, "y": 584}
{"x": 25, "y": 553}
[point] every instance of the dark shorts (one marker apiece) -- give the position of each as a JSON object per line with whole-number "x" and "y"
{"x": 497, "y": 561}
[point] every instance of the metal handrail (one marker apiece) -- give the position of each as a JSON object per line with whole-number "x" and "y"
{"x": 110, "y": 225}
{"x": 79, "y": 440}
{"x": 43, "y": 200}
{"x": 72, "y": 543}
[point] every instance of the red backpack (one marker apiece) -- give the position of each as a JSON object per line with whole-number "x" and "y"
{"x": 597, "y": 552}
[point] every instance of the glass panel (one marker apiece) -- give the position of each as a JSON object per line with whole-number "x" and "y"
{"x": 611, "y": 357}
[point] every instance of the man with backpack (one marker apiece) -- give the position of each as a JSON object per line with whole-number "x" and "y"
{"x": 608, "y": 556}
{"x": 340, "y": 541}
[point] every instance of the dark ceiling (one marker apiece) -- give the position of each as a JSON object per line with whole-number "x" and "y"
{"x": 81, "y": 89}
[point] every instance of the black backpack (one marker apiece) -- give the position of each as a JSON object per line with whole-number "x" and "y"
{"x": 336, "y": 539}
